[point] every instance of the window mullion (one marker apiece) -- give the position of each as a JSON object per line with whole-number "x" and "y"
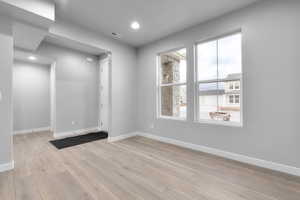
{"x": 217, "y": 74}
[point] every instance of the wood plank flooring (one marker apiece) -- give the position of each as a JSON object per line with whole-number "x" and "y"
{"x": 135, "y": 168}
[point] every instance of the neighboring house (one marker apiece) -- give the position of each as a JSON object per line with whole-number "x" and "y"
{"x": 226, "y": 94}
{"x": 227, "y": 91}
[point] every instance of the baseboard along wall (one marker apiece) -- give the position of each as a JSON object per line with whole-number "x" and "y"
{"x": 7, "y": 166}
{"x": 35, "y": 130}
{"x": 122, "y": 137}
{"x": 229, "y": 155}
{"x": 62, "y": 135}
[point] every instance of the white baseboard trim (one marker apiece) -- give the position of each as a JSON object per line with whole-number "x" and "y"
{"x": 62, "y": 135}
{"x": 35, "y": 130}
{"x": 122, "y": 137}
{"x": 233, "y": 156}
{"x": 7, "y": 166}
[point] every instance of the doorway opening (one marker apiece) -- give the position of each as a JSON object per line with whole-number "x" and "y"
{"x": 33, "y": 94}
{"x": 78, "y": 89}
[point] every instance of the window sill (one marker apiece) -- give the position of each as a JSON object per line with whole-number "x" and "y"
{"x": 220, "y": 123}
{"x": 202, "y": 121}
{"x": 171, "y": 118}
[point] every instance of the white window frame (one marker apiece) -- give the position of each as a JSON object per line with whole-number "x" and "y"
{"x": 159, "y": 86}
{"x": 196, "y": 85}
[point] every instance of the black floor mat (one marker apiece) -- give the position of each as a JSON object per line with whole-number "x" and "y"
{"x": 77, "y": 140}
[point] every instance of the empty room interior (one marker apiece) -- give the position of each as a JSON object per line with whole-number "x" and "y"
{"x": 149, "y": 100}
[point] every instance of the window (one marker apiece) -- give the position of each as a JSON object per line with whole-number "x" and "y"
{"x": 219, "y": 76}
{"x": 172, "y": 84}
{"x": 237, "y": 85}
{"x": 234, "y": 99}
{"x": 237, "y": 99}
{"x": 231, "y": 99}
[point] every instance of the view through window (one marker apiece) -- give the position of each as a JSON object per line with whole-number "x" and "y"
{"x": 172, "y": 84}
{"x": 219, "y": 67}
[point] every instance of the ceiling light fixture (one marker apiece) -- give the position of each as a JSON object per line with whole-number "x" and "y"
{"x": 89, "y": 59}
{"x": 135, "y": 25}
{"x": 32, "y": 58}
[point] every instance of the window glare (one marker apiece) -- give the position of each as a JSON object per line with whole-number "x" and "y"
{"x": 207, "y": 61}
{"x": 229, "y": 56}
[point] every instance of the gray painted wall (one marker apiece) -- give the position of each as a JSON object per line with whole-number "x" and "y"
{"x": 31, "y": 96}
{"x": 271, "y": 42}
{"x": 6, "y": 63}
{"x": 76, "y": 88}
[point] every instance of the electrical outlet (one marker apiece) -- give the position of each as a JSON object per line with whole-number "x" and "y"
{"x": 151, "y": 125}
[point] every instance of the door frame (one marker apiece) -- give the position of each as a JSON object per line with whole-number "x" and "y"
{"x": 53, "y": 97}
{"x": 108, "y": 59}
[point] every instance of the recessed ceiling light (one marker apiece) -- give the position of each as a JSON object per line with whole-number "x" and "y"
{"x": 135, "y": 25}
{"x": 32, "y": 58}
{"x": 89, "y": 59}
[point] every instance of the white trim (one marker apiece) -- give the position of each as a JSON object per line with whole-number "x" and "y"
{"x": 109, "y": 121}
{"x": 102, "y": 87}
{"x": 159, "y": 85}
{"x": 7, "y": 166}
{"x": 35, "y": 130}
{"x": 122, "y": 137}
{"x": 173, "y": 84}
{"x": 53, "y": 96}
{"x": 62, "y": 135}
{"x": 171, "y": 118}
{"x": 233, "y": 156}
{"x": 220, "y": 123}
{"x": 196, "y": 81}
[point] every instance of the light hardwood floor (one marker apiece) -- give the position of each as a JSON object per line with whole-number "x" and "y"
{"x": 136, "y": 168}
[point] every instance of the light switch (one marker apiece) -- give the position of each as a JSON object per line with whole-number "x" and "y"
{"x": 0, "y": 96}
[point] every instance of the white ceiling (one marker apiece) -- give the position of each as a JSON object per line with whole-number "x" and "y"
{"x": 158, "y": 18}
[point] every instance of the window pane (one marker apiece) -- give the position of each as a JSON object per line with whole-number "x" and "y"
{"x": 237, "y": 99}
{"x": 208, "y": 99}
{"x": 173, "y": 67}
{"x": 207, "y": 61}
{"x": 218, "y": 102}
{"x": 230, "y": 57}
{"x": 229, "y": 101}
{"x": 237, "y": 85}
{"x": 173, "y": 101}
